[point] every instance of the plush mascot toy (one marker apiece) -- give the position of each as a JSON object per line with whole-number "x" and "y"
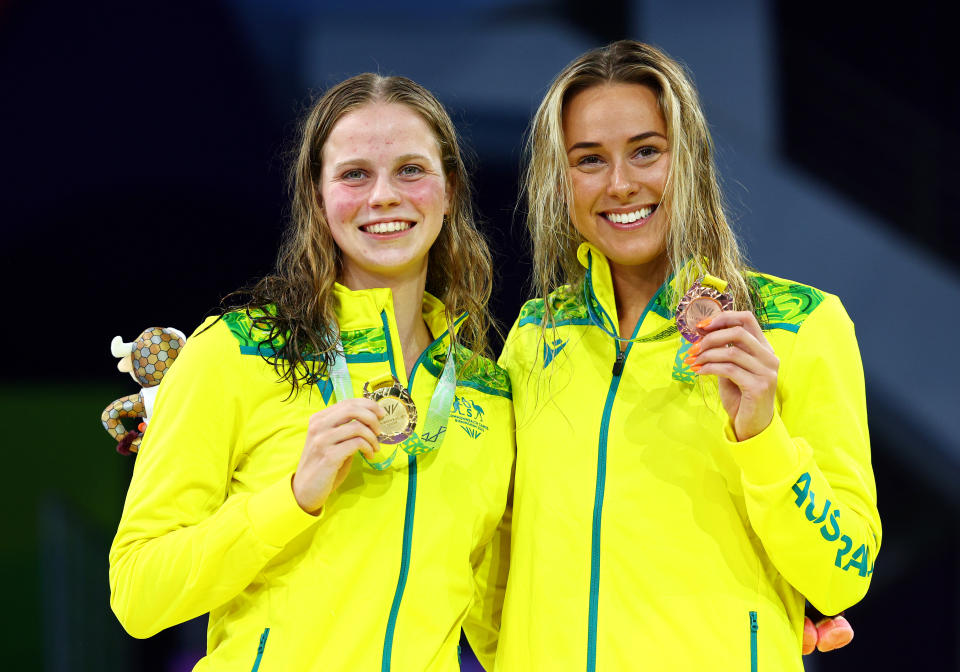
{"x": 824, "y": 633}
{"x": 146, "y": 359}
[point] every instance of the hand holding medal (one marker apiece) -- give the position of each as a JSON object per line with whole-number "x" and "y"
{"x": 701, "y": 302}
{"x": 730, "y": 345}
{"x": 334, "y": 435}
{"x": 397, "y": 412}
{"x": 400, "y": 414}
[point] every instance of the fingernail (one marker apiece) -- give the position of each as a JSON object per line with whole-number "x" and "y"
{"x": 704, "y": 323}
{"x": 695, "y": 350}
{"x": 689, "y": 360}
{"x": 696, "y": 368}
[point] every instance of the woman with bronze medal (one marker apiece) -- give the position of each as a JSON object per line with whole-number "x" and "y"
{"x": 247, "y": 501}
{"x": 692, "y": 450}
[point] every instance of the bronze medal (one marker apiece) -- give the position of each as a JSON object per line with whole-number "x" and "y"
{"x": 699, "y": 303}
{"x": 400, "y": 419}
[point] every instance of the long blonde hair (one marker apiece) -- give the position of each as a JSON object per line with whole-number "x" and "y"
{"x": 698, "y": 225}
{"x": 459, "y": 270}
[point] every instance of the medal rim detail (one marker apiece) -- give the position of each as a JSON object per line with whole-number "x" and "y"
{"x": 698, "y": 291}
{"x": 393, "y": 389}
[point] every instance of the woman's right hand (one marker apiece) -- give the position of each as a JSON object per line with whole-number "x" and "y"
{"x": 333, "y": 436}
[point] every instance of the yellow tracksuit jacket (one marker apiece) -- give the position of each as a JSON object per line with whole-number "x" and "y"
{"x": 395, "y": 564}
{"x": 646, "y": 537}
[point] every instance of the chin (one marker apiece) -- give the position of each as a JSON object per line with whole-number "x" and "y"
{"x": 396, "y": 267}
{"x": 645, "y": 257}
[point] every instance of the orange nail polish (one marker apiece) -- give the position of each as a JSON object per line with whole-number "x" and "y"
{"x": 695, "y": 350}
{"x": 696, "y": 368}
{"x": 688, "y": 360}
{"x": 702, "y": 324}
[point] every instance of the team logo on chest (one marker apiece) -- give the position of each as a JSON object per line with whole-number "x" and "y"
{"x": 469, "y": 415}
{"x": 552, "y": 350}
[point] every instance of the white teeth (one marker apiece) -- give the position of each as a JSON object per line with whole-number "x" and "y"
{"x": 387, "y": 227}
{"x": 629, "y": 217}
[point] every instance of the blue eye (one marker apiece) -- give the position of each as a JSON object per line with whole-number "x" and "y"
{"x": 354, "y": 174}
{"x": 411, "y": 170}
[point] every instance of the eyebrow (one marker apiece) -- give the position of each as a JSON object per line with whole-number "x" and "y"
{"x": 409, "y": 157}
{"x": 636, "y": 138}
{"x": 400, "y": 159}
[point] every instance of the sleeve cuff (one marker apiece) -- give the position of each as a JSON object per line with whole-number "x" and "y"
{"x": 275, "y": 516}
{"x": 767, "y": 458}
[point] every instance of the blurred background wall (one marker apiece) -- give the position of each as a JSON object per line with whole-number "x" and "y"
{"x": 142, "y": 155}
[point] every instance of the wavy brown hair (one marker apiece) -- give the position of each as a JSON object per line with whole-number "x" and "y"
{"x": 698, "y": 230}
{"x": 302, "y": 322}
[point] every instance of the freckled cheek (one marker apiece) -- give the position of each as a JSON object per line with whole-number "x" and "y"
{"x": 426, "y": 195}
{"x": 342, "y": 204}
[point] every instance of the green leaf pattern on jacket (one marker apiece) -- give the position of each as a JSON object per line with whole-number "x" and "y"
{"x": 783, "y": 302}
{"x": 251, "y": 332}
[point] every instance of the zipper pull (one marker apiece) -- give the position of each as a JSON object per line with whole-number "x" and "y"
{"x": 753, "y": 621}
{"x": 618, "y": 364}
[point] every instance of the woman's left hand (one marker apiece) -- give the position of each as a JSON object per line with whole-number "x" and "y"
{"x": 735, "y": 350}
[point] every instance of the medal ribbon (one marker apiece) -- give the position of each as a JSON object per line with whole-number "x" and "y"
{"x": 438, "y": 412}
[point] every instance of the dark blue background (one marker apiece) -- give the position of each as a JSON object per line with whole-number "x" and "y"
{"x": 142, "y": 157}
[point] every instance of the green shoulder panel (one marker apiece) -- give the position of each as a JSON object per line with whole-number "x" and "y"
{"x": 364, "y": 341}
{"x": 567, "y": 304}
{"x": 253, "y": 335}
{"x": 482, "y": 374}
{"x": 531, "y": 311}
{"x": 784, "y": 304}
{"x": 250, "y": 331}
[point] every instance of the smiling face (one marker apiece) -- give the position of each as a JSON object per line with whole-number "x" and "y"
{"x": 383, "y": 193}
{"x": 618, "y": 161}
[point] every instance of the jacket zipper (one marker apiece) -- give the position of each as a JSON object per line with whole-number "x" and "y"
{"x": 404, "y": 562}
{"x": 753, "y": 641}
{"x": 618, "y": 362}
{"x": 260, "y": 648}
{"x": 617, "y": 372}
{"x": 407, "y": 517}
{"x": 598, "y": 513}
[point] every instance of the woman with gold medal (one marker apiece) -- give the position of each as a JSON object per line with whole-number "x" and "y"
{"x": 247, "y": 499}
{"x": 692, "y": 450}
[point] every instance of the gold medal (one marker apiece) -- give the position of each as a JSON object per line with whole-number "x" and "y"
{"x": 704, "y": 300}
{"x": 400, "y": 419}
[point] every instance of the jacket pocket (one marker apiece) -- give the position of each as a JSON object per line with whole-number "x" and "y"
{"x": 260, "y": 648}
{"x": 753, "y": 641}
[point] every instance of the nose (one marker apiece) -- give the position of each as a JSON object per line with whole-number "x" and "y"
{"x": 623, "y": 184}
{"x": 383, "y": 193}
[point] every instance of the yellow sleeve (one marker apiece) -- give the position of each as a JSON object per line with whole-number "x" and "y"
{"x": 183, "y": 546}
{"x": 482, "y": 624}
{"x": 807, "y": 478}
{"x": 510, "y": 356}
